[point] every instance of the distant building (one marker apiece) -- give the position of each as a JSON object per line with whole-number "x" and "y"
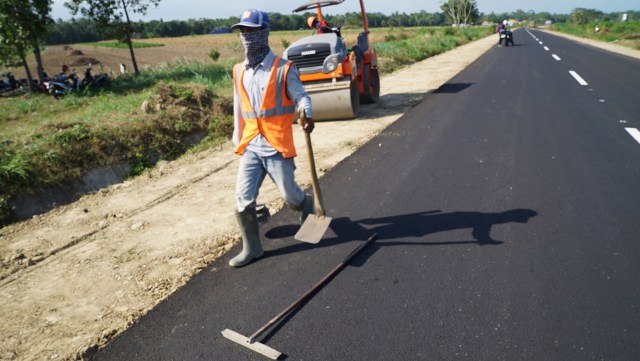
{"x": 220, "y": 31}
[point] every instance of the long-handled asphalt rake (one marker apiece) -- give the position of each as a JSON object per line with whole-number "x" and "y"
{"x": 250, "y": 342}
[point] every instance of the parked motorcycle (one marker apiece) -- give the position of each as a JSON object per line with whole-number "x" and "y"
{"x": 99, "y": 80}
{"x": 62, "y": 84}
{"x": 23, "y": 85}
{"x": 9, "y": 84}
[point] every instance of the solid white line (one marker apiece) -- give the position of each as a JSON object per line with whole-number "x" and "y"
{"x": 556, "y": 57}
{"x": 546, "y": 48}
{"x": 578, "y": 78}
{"x": 635, "y": 133}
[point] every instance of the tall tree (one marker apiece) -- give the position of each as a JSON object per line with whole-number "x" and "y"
{"x": 460, "y": 12}
{"x": 22, "y": 24}
{"x": 583, "y": 16}
{"x": 113, "y": 14}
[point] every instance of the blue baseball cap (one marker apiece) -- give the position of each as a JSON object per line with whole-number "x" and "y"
{"x": 253, "y": 18}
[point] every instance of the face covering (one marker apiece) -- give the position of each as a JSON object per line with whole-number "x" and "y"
{"x": 256, "y": 46}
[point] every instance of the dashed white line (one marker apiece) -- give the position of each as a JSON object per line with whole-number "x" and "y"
{"x": 546, "y": 48}
{"x": 635, "y": 133}
{"x": 556, "y": 57}
{"x": 541, "y": 43}
{"x": 578, "y": 78}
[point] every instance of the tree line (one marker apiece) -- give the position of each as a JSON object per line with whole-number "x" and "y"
{"x": 25, "y": 25}
{"x": 86, "y": 30}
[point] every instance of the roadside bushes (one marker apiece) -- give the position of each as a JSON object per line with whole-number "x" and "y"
{"x": 628, "y": 31}
{"x": 398, "y": 51}
{"x": 178, "y": 116}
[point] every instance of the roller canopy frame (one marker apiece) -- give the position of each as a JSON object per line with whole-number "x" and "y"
{"x": 313, "y": 4}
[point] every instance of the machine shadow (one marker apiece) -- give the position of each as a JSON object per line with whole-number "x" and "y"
{"x": 414, "y": 225}
{"x": 390, "y": 104}
{"x": 452, "y": 88}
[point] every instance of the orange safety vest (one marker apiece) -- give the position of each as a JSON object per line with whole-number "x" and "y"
{"x": 275, "y": 117}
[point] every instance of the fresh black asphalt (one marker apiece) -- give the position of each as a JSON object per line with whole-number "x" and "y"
{"x": 507, "y": 206}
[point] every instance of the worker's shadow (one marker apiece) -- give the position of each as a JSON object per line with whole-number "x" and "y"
{"x": 414, "y": 225}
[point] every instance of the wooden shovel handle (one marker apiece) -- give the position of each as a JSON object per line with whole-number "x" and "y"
{"x": 314, "y": 176}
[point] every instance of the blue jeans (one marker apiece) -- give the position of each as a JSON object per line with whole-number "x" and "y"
{"x": 252, "y": 171}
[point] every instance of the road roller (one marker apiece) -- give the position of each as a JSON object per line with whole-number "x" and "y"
{"x": 337, "y": 78}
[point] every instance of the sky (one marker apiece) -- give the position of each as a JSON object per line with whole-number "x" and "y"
{"x": 197, "y": 9}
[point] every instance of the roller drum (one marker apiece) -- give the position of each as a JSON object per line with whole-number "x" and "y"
{"x": 334, "y": 101}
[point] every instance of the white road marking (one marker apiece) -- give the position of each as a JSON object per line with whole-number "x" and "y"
{"x": 556, "y": 57}
{"x": 546, "y": 48}
{"x": 635, "y": 133}
{"x": 578, "y": 78}
{"x": 541, "y": 43}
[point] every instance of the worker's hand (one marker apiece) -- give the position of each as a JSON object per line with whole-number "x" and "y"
{"x": 306, "y": 124}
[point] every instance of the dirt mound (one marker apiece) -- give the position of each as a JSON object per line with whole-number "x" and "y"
{"x": 84, "y": 61}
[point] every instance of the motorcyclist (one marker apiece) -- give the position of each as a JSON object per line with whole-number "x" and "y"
{"x": 501, "y": 30}
{"x": 62, "y": 76}
{"x": 68, "y": 77}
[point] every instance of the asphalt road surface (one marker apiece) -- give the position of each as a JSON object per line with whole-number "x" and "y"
{"x": 507, "y": 206}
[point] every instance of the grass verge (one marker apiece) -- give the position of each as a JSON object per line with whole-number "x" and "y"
{"x": 400, "y": 49}
{"x": 627, "y": 33}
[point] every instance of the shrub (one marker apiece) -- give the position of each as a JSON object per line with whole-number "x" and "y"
{"x": 214, "y": 54}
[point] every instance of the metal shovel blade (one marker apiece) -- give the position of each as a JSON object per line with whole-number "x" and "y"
{"x": 313, "y": 229}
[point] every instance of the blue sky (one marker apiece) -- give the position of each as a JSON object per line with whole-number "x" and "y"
{"x": 213, "y": 9}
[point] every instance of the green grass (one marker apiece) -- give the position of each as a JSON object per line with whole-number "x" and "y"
{"x": 122, "y": 45}
{"x": 400, "y": 50}
{"x": 44, "y": 141}
{"x": 627, "y": 33}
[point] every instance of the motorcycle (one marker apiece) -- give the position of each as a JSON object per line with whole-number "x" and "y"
{"x": 23, "y": 85}
{"x": 62, "y": 84}
{"x": 508, "y": 38}
{"x": 8, "y": 85}
{"x": 99, "y": 80}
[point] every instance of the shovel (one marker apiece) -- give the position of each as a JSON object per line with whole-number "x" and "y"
{"x": 315, "y": 225}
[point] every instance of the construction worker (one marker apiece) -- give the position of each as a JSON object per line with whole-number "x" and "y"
{"x": 267, "y": 96}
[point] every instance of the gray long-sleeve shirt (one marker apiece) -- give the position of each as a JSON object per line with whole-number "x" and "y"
{"x": 255, "y": 82}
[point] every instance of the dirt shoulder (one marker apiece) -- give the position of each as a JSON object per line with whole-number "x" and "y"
{"x": 83, "y": 273}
